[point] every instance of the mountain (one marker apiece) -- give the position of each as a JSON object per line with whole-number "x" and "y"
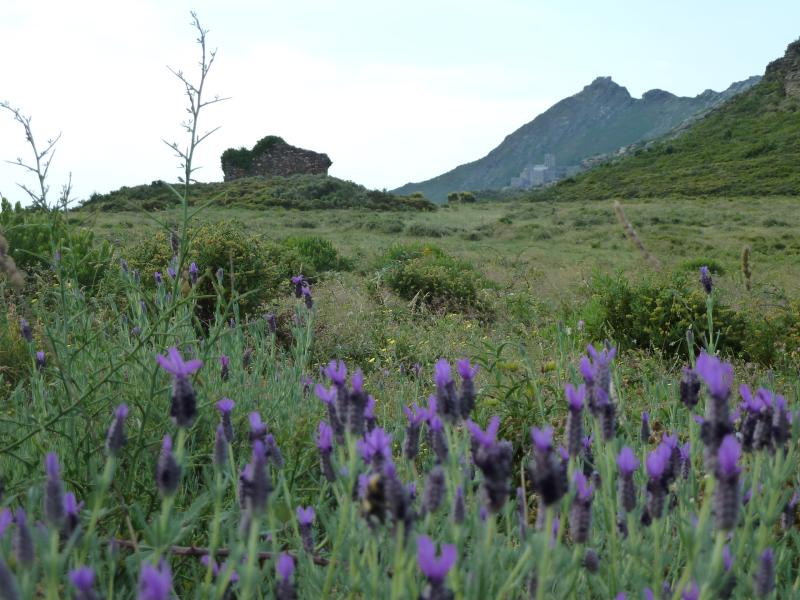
{"x": 749, "y": 146}
{"x": 600, "y": 119}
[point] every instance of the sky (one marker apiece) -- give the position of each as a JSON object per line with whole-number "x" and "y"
{"x": 392, "y": 91}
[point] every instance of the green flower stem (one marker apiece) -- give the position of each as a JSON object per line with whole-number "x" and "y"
{"x": 250, "y": 569}
{"x": 716, "y": 563}
{"x": 53, "y": 571}
{"x": 705, "y": 513}
{"x": 544, "y": 558}
{"x": 213, "y": 538}
{"x": 105, "y": 482}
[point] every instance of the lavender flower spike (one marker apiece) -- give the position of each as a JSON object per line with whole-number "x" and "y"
{"x": 25, "y": 330}
{"x": 225, "y": 406}
{"x": 72, "y": 513}
{"x": 53, "y": 492}
{"x": 705, "y": 279}
{"x": 154, "y": 583}
{"x": 115, "y": 437}
{"x": 575, "y": 399}
{"x": 284, "y": 589}
{"x": 644, "y": 431}
{"x": 183, "y": 409}
{"x": 627, "y": 463}
{"x": 466, "y": 400}
{"x": 305, "y": 518}
{"x": 41, "y": 362}
{"x": 82, "y": 580}
{"x": 22, "y": 542}
{"x": 325, "y": 447}
{"x": 542, "y": 438}
{"x": 415, "y": 416}
{"x": 726, "y": 494}
{"x": 488, "y": 437}
{"x": 168, "y": 472}
{"x": 193, "y": 273}
{"x": 446, "y": 397}
{"x": 764, "y": 580}
{"x": 224, "y": 364}
{"x": 8, "y": 585}
{"x": 656, "y": 464}
{"x": 435, "y": 569}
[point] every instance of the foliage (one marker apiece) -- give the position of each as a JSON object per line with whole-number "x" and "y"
{"x": 318, "y": 253}
{"x": 304, "y": 192}
{"x": 427, "y": 274}
{"x": 36, "y": 237}
{"x": 242, "y": 158}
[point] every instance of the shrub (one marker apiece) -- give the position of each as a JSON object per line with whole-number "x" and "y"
{"x": 317, "y": 253}
{"x": 257, "y": 267}
{"x": 656, "y": 313}
{"x": 34, "y": 236}
{"x": 693, "y": 266}
{"x": 427, "y": 274}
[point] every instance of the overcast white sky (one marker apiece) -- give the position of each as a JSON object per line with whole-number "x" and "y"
{"x": 391, "y": 91}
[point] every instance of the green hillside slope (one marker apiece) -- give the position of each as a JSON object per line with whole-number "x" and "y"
{"x": 749, "y": 146}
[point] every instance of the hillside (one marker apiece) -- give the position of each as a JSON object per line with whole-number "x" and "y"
{"x": 600, "y": 119}
{"x": 302, "y": 192}
{"x": 749, "y": 146}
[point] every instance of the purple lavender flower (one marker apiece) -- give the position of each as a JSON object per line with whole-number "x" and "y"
{"x": 376, "y": 447}
{"x": 284, "y": 589}
{"x": 171, "y": 272}
{"x": 25, "y": 330}
{"x": 446, "y": 396}
{"x": 415, "y": 416}
{"x": 691, "y": 592}
{"x": 224, "y": 363}
{"x": 685, "y": 452}
{"x": 71, "y": 513}
{"x": 168, "y": 471}
{"x": 305, "y": 519}
{"x": 8, "y": 585}
{"x": 542, "y": 438}
{"x": 597, "y": 376}
{"x": 6, "y": 518}
{"x": 726, "y": 494}
{"x": 656, "y": 464}
{"x": 717, "y": 375}
{"x": 369, "y": 413}
{"x": 155, "y": 583}
{"x": 435, "y": 568}
{"x": 689, "y": 388}
{"x": 627, "y": 463}
{"x": 82, "y": 580}
{"x": 258, "y": 429}
{"x": 309, "y": 301}
{"x": 591, "y": 561}
{"x": 644, "y": 431}
{"x": 547, "y": 471}
{"x": 438, "y": 437}
{"x": 158, "y": 278}
{"x": 433, "y": 495}
{"x": 325, "y": 447}
{"x": 459, "y": 506}
{"x": 256, "y": 481}
{"x": 484, "y": 438}
{"x": 575, "y": 399}
{"x": 273, "y": 452}
{"x": 272, "y": 322}
{"x": 22, "y": 540}
{"x": 53, "y": 492}
{"x": 580, "y": 514}
{"x": 220, "y": 275}
{"x": 40, "y": 360}
{"x": 466, "y": 399}
{"x": 764, "y": 580}
{"x": 193, "y": 273}
{"x": 184, "y": 401}
{"x": 328, "y": 397}
{"x": 355, "y": 403}
{"x": 297, "y": 280}
{"x": 225, "y": 406}
{"x": 705, "y": 279}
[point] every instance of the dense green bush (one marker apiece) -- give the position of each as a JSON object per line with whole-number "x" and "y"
{"x": 249, "y": 264}
{"x": 318, "y": 253}
{"x": 429, "y": 275}
{"x": 657, "y": 311}
{"x": 34, "y": 237}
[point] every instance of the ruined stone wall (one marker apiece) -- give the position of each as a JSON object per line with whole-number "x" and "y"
{"x": 279, "y": 159}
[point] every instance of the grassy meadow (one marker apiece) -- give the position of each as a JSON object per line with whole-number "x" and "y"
{"x": 517, "y": 289}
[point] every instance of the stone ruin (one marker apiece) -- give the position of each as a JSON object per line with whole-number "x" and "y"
{"x": 272, "y": 156}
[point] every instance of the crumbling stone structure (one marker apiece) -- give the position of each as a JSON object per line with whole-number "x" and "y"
{"x": 272, "y": 156}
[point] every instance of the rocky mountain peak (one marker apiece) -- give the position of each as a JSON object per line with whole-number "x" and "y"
{"x": 788, "y": 69}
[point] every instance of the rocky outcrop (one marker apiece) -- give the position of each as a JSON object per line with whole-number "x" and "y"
{"x": 787, "y": 69}
{"x": 272, "y": 156}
